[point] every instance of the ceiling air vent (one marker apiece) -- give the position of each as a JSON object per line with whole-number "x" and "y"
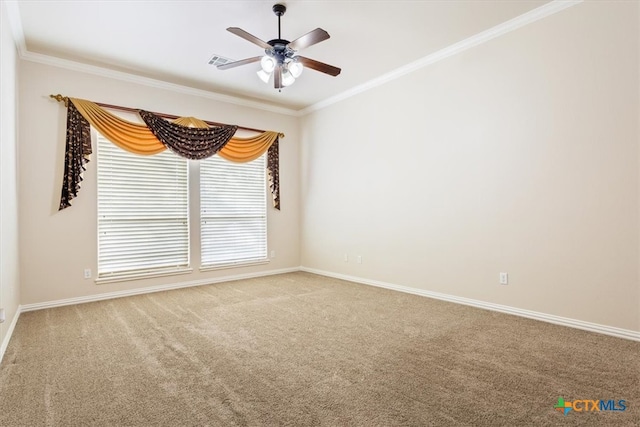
{"x": 219, "y": 60}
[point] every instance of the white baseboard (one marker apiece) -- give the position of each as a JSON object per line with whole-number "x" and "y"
{"x": 120, "y": 294}
{"x": 151, "y": 289}
{"x": 564, "y": 321}
{"x": 12, "y": 325}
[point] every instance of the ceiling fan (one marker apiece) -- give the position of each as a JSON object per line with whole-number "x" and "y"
{"x": 280, "y": 57}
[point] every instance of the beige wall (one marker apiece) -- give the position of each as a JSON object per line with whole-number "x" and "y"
{"x": 55, "y": 246}
{"x": 9, "y": 272}
{"x": 519, "y": 155}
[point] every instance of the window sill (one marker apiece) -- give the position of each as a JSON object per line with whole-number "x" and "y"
{"x": 234, "y": 265}
{"x": 125, "y": 277}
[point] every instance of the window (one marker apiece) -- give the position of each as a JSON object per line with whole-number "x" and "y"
{"x": 233, "y": 211}
{"x": 143, "y": 213}
{"x": 143, "y": 225}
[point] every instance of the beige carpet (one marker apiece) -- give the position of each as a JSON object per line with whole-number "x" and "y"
{"x": 304, "y": 350}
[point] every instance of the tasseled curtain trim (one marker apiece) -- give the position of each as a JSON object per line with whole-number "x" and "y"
{"x": 273, "y": 168}
{"x": 77, "y": 152}
{"x": 197, "y": 142}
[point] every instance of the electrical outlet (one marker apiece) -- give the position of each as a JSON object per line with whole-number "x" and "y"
{"x": 359, "y": 259}
{"x": 504, "y": 279}
{"x": 87, "y": 273}
{"x": 273, "y": 254}
{"x": 346, "y": 258}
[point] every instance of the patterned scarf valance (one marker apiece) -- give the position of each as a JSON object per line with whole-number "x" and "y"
{"x": 190, "y": 142}
{"x": 197, "y": 142}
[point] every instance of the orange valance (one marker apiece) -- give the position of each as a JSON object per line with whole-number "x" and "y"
{"x": 138, "y": 138}
{"x": 186, "y": 136}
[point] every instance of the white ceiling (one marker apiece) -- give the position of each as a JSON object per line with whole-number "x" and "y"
{"x": 172, "y": 41}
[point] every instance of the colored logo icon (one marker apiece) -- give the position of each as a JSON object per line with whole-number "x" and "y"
{"x": 563, "y": 406}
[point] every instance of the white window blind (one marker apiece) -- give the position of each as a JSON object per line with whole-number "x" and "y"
{"x": 233, "y": 211}
{"x": 143, "y": 222}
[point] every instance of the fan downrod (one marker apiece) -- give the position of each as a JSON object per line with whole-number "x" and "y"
{"x": 279, "y": 10}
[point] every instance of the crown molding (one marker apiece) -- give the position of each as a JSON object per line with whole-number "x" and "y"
{"x": 15, "y": 22}
{"x": 534, "y": 15}
{"x": 146, "y": 81}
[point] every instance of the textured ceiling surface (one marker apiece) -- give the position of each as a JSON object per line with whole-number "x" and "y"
{"x": 173, "y": 41}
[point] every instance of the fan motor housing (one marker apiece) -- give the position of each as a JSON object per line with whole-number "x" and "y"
{"x": 280, "y": 50}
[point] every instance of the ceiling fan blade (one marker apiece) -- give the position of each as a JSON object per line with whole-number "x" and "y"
{"x": 239, "y": 63}
{"x": 277, "y": 77}
{"x": 250, "y": 37}
{"x": 319, "y": 66}
{"x": 312, "y": 37}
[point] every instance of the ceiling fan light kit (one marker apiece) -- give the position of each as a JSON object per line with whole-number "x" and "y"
{"x": 264, "y": 76}
{"x": 268, "y": 64}
{"x": 280, "y": 58}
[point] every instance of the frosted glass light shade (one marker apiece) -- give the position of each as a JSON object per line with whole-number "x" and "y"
{"x": 287, "y": 78}
{"x": 264, "y": 76}
{"x": 267, "y": 63}
{"x": 295, "y": 68}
